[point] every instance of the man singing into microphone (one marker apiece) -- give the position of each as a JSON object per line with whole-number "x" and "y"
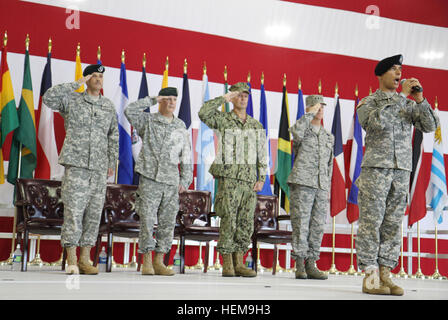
{"x": 387, "y": 117}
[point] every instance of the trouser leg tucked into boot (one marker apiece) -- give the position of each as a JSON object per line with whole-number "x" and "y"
{"x": 240, "y": 268}
{"x": 159, "y": 268}
{"x": 372, "y": 284}
{"x": 385, "y": 278}
{"x": 300, "y": 269}
{"x": 227, "y": 265}
{"x": 84, "y": 262}
{"x": 72, "y": 261}
{"x": 147, "y": 268}
{"x": 312, "y": 271}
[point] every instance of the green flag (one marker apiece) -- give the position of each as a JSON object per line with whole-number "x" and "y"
{"x": 25, "y": 135}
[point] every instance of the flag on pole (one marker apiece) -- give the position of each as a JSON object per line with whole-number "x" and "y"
{"x": 205, "y": 148}
{"x": 436, "y": 194}
{"x": 165, "y": 75}
{"x": 300, "y": 113}
{"x": 47, "y": 166}
{"x": 225, "y": 105}
{"x": 78, "y": 68}
{"x": 283, "y": 164}
{"x": 355, "y": 167}
{"x": 24, "y": 136}
{"x": 264, "y": 121}
{"x": 121, "y": 100}
{"x": 250, "y": 106}
{"x": 9, "y": 118}
{"x": 338, "y": 201}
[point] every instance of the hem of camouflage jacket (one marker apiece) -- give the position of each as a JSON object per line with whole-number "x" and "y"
{"x": 228, "y": 251}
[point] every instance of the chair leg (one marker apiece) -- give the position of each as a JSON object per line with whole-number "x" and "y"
{"x": 166, "y": 259}
{"x": 64, "y": 258}
{"x": 25, "y": 250}
{"x": 109, "y": 252}
{"x": 182, "y": 254}
{"x": 206, "y": 257}
{"x": 97, "y": 250}
{"x": 274, "y": 261}
{"x": 139, "y": 261}
{"x": 254, "y": 254}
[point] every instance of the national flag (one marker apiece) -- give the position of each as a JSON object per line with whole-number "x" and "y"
{"x": 283, "y": 164}
{"x": 78, "y": 68}
{"x": 264, "y": 121}
{"x": 417, "y": 206}
{"x": 135, "y": 138}
{"x": 225, "y": 105}
{"x": 9, "y": 118}
{"x": 205, "y": 148}
{"x": 356, "y": 156}
{"x": 338, "y": 201}
{"x": 436, "y": 194}
{"x": 300, "y": 113}
{"x": 47, "y": 166}
{"x": 24, "y": 137}
{"x": 126, "y": 161}
{"x": 250, "y": 106}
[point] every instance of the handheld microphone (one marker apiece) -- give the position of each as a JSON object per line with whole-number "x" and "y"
{"x": 414, "y": 88}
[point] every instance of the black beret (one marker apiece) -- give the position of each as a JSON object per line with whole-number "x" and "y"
{"x": 93, "y": 68}
{"x": 168, "y": 91}
{"x": 388, "y": 63}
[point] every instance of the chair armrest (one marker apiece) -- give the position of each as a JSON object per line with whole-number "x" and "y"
{"x": 283, "y": 217}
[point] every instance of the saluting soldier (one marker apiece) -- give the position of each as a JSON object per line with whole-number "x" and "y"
{"x": 240, "y": 167}
{"x": 387, "y": 117}
{"x": 309, "y": 184}
{"x": 89, "y": 155}
{"x": 165, "y": 149}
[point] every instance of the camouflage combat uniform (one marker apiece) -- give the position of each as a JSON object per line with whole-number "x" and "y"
{"x": 165, "y": 146}
{"x": 383, "y": 183}
{"x": 240, "y": 159}
{"x": 90, "y": 148}
{"x": 309, "y": 185}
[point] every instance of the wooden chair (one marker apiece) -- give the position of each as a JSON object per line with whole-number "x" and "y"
{"x": 266, "y": 227}
{"x": 39, "y": 211}
{"x": 194, "y": 205}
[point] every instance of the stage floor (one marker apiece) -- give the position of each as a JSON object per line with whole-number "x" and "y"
{"x": 50, "y": 283}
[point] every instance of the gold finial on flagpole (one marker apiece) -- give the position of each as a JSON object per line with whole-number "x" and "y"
{"x": 284, "y": 79}
{"x": 144, "y": 60}
{"x": 248, "y": 77}
{"x": 5, "y": 39}
{"x": 300, "y": 84}
{"x": 50, "y": 45}
{"x": 356, "y": 90}
{"x": 185, "y": 65}
{"x": 225, "y": 73}
{"x": 122, "y": 56}
{"x": 436, "y": 104}
{"x": 370, "y": 90}
{"x": 98, "y": 53}
{"x": 336, "y": 89}
{"x": 78, "y": 50}
{"x": 204, "y": 68}
{"x": 167, "y": 63}
{"x": 319, "y": 87}
{"x": 27, "y": 42}
{"x": 262, "y": 78}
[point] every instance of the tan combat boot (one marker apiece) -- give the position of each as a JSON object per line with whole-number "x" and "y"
{"x": 300, "y": 269}
{"x": 159, "y": 268}
{"x": 312, "y": 272}
{"x": 227, "y": 265}
{"x": 147, "y": 268}
{"x": 385, "y": 278}
{"x": 72, "y": 261}
{"x": 372, "y": 284}
{"x": 240, "y": 268}
{"x": 84, "y": 264}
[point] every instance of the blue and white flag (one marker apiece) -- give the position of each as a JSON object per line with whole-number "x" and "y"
{"x": 436, "y": 194}
{"x": 205, "y": 148}
{"x": 126, "y": 161}
{"x": 264, "y": 121}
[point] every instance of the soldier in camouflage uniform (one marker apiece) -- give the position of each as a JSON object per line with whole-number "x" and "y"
{"x": 309, "y": 184}
{"x": 387, "y": 117}
{"x": 240, "y": 167}
{"x": 165, "y": 146}
{"x": 89, "y": 155}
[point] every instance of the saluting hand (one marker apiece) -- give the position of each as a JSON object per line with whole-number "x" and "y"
{"x": 314, "y": 109}
{"x": 83, "y": 80}
{"x": 230, "y": 95}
